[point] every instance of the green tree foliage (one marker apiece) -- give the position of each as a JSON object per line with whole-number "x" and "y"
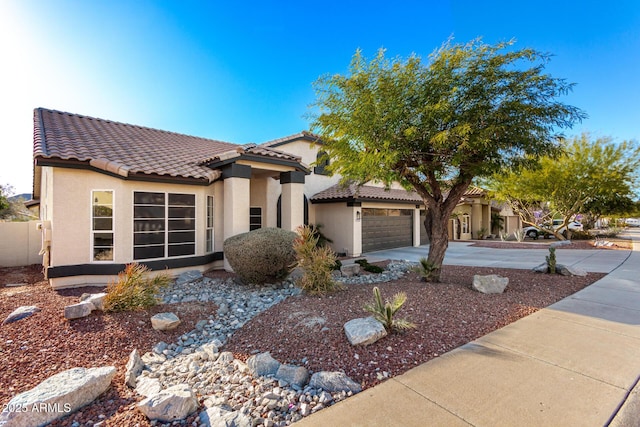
{"x": 470, "y": 110}
{"x": 5, "y": 192}
{"x": 595, "y": 176}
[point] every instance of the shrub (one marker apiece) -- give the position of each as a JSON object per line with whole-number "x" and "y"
{"x": 368, "y": 267}
{"x": 385, "y": 312}
{"x": 519, "y": 234}
{"x": 337, "y": 265}
{"x": 134, "y": 289}
{"x": 581, "y": 235}
{"x": 426, "y": 269}
{"x": 316, "y": 262}
{"x": 317, "y": 232}
{"x": 551, "y": 260}
{"x": 261, "y": 256}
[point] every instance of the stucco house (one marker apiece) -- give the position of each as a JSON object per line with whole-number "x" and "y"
{"x": 112, "y": 193}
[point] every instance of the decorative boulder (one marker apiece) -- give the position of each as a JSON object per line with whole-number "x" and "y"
{"x": 174, "y": 403}
{"x": 133, "y": 369}
{"x": 76, "y": 311}
{"x": 350, "y": 270}
{"x": 364, "y": 331}
{"x": 219, "y": 417}
{"x": 542, "y": 268}
{"x": 263, "y": 364}
{"x": 20, "y": 313}
{"x": 491, "y": 284}
{"x": 165, "y": 321}
{"x": 147, "y": 386}
{"x": 334, "y": 382}
{"x": 96, "y": 299}
{"x": 297, "y": 376}
{"x": 567, "y": 270}
{"x": 58, "y": 396}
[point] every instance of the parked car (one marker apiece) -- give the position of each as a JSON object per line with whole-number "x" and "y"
{"x": 632, "y": 222}
{"x": 534, "y": 232}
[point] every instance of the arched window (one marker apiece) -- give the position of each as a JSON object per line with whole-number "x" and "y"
{"x": 322, "y": 161}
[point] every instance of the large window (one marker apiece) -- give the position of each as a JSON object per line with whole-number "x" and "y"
{"x": 164, "y": 225}
{"x": 466, "y": 225}
{"x": 209, "y": 224}
{"x": 102, "y": 225}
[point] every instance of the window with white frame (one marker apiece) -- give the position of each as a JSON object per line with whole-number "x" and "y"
{"x": 465, "y": 226}
{"x": 102, "y": 225}
{"x": 209, "y": 231}
{"x": 255, "y": 218}
{"x": 164, "y": 225}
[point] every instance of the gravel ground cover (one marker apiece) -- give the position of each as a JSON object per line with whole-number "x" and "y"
{"x": 301, "y": 330}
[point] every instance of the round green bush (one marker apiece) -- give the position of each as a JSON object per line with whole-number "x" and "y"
{"x": 261, "y": 256}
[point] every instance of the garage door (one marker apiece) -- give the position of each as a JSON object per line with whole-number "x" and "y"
{"x": 386, "y": 228}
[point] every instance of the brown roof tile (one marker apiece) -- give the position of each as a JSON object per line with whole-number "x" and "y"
{"x": 129, "y": 149}
{"x": 352, "y": 191}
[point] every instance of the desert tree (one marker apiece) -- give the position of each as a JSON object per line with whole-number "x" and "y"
{"x": 593, "y": 177}
{"x": 470, "y": 110}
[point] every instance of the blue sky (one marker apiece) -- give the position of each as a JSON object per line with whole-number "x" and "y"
{"x": 242, "y": 71}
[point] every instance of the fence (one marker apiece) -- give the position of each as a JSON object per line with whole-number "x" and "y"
{"x": 20, "y": 243}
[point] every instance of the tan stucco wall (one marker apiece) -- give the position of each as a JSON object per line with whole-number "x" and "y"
{"x": 71, "y": 208}
{"x": 20, "y": 243}
{"x": 338, "y": 222}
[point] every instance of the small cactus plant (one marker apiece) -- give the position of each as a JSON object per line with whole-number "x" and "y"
{"x": 384, "y": 312}
{"x": 551, "y": 261}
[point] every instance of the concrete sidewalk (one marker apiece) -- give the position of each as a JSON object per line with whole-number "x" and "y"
{"x": 575, "y": 363}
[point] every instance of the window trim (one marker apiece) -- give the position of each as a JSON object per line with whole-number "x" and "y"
{"x": 465, "y": 224}
{"x": 93, "y": 232}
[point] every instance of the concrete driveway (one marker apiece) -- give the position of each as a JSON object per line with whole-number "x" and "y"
{"x": 463, "y": 253}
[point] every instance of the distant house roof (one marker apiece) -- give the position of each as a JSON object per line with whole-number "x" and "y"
{"x": 339, "y": 193}
{"x": 307, "y": 136}
{"x": 65, "y": 139}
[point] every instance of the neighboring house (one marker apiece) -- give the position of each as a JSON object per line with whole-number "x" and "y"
{"x": 113, "y": 193}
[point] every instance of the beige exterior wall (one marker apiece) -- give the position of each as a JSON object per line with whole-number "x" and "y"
{"x": 338, "y": 222}
{"x": 71, "y": 206}
{"x": 20, "y": 243}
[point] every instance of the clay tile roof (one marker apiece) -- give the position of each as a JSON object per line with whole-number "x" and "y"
{"x": 301, "y": 135}
{"x": 123, "y": 148}
{"x": 365, "y": 192}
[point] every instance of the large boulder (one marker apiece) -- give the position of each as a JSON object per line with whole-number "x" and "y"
{"x": 147, "y": 386}
{"x": 568, "y": 270}
{"x": 57, "y": 396}
{"x": 263, "y": 364}
{"x": 364, "y": 331}
{"x": 350, "y": 270}
{"x": 20, "y": 313}
{"x": 334, "y": 382}
{"x": 491, "y": 284}
{"x": 261, "y": 256}
{"x": 174, "y": 403}
{"x": 165, "y": 321}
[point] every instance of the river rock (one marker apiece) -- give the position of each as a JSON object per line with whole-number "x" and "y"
{"x": 58, "y": 396}
{"x": 364, "y": 331}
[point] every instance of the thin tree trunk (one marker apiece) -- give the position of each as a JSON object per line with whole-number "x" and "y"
{"x": 439, "y": 240}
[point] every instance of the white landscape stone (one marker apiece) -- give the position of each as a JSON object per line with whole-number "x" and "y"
{"x": 76, "y": 311}
{"x": 491, "y": 284}
{"x": 133, "y": 368}
{"x": 174, "y": 403}
{"x": 165, "y": 321}
{"x": 57, "y": 396}
{"x": 364, "y": 331}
